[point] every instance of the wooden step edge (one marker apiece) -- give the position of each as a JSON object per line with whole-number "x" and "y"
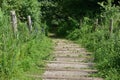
{"x": 67, "y": 69}
{"x": 70, "y": 62}
{"x": 66, "y": 78}
{"x": 64, "y": 44}
{"x": 72, "y": 78}
{"x": 68, "y": 47}
{"x": 79, "y": 53}
{"x": 73, "y": 56}
{"x": 65, "y": 62}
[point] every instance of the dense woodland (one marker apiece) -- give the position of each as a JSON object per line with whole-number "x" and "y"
{"x": 93, "y": 23}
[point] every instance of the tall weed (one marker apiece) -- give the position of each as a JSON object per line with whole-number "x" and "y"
{"x": 105, "y": 47}
{"x": 24, "y": 54}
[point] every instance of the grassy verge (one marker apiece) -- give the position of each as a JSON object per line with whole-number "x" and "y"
{"x": 104, "y": 44}
{"x": 24, "y": 54}
{"x": 105, "y": 49}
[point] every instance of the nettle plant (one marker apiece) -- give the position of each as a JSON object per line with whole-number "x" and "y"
{"x": 110, "y": 11}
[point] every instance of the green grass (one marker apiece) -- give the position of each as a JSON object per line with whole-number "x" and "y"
{"x": 105, "y": 51}
{"x": 105, "y": 47}
{"x": 23, "y": 54}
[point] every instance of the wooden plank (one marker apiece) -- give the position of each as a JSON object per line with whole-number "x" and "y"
{"x": 29, "y": 24}
{"x": 96, "y": 25}
{"x": 14, "y": 23}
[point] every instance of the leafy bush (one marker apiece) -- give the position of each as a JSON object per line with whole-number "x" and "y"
{"x": 26, "y": 53}
{"x": 104, "y": 46}
{"x": 67, "y": 26}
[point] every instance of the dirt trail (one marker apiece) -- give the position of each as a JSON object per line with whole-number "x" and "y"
{"x": 71, "y": 62}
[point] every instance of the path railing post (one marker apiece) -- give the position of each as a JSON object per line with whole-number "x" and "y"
{"x": 14, "y": 22}
{"x": 95, "y": 24}
{"x": 29, "y": 24}
{"x": 80, "y": 23}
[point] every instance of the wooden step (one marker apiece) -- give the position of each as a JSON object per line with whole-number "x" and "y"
{"x": 69, "y": 48}
{"x": 71, "y": 59}
{"x": 38, "y": 77}
{"x": 71, "y": 78}
{"x": 72, "y": 52}
{"x": 65, "y": 74}
{"x": 79, "y": 55}
{"x": 68, "y": 69}
{"x": 69, "y": 44}
{"x": 62, "y": 62}
{"x": 64, "y": 65}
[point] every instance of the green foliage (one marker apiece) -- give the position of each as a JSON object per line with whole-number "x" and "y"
{"x": 110, "y": 12}
{"x": 105, "y": 47}
{"x": 26, "y": 53}
{"x": 48, "y": 10}
{"x": 23, "y": 9}
{"x": 79, "y": 8}
{"x": 66, "y": 26}
{"x": 72, "y": 18}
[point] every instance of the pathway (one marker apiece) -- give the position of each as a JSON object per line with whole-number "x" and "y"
{"x": 71, "y": 62}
